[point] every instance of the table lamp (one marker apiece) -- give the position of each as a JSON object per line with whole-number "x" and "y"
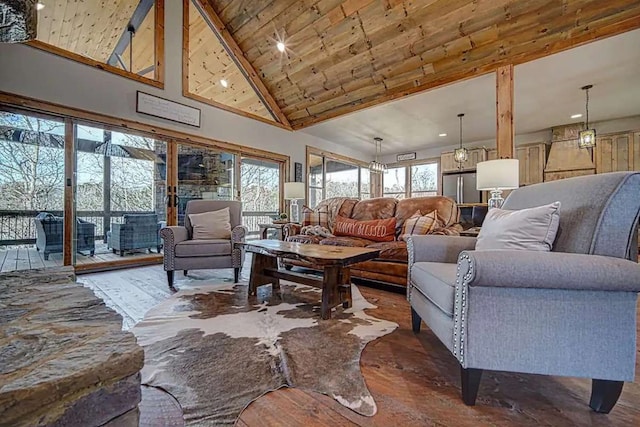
{"x": 495, "y": 176}
{"x": 294, "y": 191}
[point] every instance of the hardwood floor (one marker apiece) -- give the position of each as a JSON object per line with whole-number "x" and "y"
{"x": 413, "y": 378}
{"x": 26, "y": 257}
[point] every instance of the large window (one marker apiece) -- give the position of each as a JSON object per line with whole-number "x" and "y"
{"x": 331, "y": 175}
{"x": 411, "y": 180}
{"x": 260, "y": 191}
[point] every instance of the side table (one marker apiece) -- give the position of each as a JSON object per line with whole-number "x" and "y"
{"x": 264, "y": 228}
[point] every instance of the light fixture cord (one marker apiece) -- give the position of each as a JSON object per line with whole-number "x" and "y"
{"x": 460, "y": 163}
{"x": 587, "y": 118}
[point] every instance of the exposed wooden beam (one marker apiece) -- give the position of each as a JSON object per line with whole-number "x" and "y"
{"x": 243, "y": 63}
{"x": 140, "y": 12}
{"x": 504, "y": 112}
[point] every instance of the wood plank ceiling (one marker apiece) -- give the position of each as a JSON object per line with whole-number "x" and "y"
{"x": 209, "y": 64}
{"x": 92, "y": 28}
{"x": 343, "y": 55}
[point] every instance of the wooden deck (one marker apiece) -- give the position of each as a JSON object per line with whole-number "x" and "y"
{"x": 26, "y": 257}
{"x": 414, "y": 379}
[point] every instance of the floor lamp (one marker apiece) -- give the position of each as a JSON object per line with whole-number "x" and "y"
{"x": 294, "y": 191}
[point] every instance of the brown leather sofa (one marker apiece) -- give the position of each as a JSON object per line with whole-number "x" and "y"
{"x": 391, "y": 266}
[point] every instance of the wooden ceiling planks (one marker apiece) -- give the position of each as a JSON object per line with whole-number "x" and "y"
{"x": 209, "y": 63}
{"x": 343, "y": 55}
{"x": 92, "y": 28}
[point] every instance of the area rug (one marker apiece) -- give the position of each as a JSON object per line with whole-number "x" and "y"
{"x": 216, "y": 350}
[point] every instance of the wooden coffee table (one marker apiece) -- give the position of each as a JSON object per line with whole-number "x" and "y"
{"x": 335, "y": 260}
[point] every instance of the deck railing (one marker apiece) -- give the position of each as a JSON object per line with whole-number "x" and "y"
{"x": 18, "y": 226}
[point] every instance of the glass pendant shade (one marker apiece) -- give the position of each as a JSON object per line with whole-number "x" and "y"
{"x": 460, "y": 154}
{"x": 587, "y": 137}
{"x": 375, "y": 166}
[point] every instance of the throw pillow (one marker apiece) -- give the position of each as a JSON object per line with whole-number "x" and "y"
{"x": 211, "y": 225}
{"x": 532, "y": 229}
{"x": 378, "y": 230}
{"x": 418, "y": 224}
{"x": 315, "y": 217}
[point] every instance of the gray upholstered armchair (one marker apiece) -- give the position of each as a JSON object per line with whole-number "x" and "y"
{"x": 181, "y": 252}
{"x": 569, "y": 312}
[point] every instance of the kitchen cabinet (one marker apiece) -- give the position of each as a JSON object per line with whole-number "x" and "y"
{"x": 476, "y": 155}
{"x": 532, "y": 160}
{"x": 618, "y": 152}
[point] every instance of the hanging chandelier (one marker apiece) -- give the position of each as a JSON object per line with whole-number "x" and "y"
{"x": 587, "y": 137}
{"x": 375, "y": 166}
{"x": 460, "y": 154}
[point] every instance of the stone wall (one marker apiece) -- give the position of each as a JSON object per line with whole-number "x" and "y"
{"x": 64, "y": 359}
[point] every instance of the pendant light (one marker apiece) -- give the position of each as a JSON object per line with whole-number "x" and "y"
{"x": 587, "y": 137}
{"x": 375, "y": 166}
{"x": 460, "y": 154}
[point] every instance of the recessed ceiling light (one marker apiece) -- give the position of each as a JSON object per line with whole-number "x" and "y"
{"x": 442, "y": 134}
{"x": 576, "y": 116}
{"x": 281, "y": 46}
{"x": 39, "y": 6}
{"x": 224, "y": 83}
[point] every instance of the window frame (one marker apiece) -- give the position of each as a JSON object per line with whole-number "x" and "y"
{"x": 408, "y": 175}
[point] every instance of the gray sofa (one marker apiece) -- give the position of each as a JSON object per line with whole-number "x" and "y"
{"x": 181, "y": 252}
{"x": 569, "y": 312}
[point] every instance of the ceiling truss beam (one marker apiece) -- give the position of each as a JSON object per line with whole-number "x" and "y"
{"x": 141, "y": 12}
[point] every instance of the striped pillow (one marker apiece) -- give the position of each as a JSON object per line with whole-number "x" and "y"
{"x": 315, "y": 217}
{"x": 419, "y": 224}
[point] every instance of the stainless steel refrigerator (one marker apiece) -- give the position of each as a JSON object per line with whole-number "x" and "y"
{"x": 468, "y": 189}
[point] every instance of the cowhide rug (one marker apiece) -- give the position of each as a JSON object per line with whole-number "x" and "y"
{"x": 216, "y": 351}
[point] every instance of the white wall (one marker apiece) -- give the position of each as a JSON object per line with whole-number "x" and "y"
{"x": 30, "y": 72}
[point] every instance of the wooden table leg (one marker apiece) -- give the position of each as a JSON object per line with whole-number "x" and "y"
{"x": 258, "y": 277}
{"x": 263, "y": 232}
{"x": 330, "y": 283}
{"x": 345, "y": 287}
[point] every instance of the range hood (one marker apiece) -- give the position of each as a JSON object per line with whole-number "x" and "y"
{"x": 566, "y": 159}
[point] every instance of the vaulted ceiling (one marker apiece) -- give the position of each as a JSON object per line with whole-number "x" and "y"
{"x": 344, "y": 55}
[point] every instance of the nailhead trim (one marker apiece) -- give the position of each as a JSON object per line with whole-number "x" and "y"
{"x": 460, "y": 307}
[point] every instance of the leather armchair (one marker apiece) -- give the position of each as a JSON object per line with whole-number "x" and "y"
{"x": 569, "y": 312}
{"x": 181, "y": 252}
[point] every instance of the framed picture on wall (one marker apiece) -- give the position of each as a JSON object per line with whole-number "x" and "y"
{"x": 297, "y": 172}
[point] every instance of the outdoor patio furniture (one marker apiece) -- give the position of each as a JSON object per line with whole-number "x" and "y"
{"x": 49, "y": 239}
{"x": 138, "y": 231}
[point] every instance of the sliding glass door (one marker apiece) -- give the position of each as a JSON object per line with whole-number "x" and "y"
{"x": 120, "y": 196}
{"x": 260, "y": 192}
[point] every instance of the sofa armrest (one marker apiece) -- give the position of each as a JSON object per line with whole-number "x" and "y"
{"x": 549, "y": 270}
{"x": 239, "y": 233}
{"x": 438, "y": 248}
{"x": 290, "y": 229}
{"x": 173, "y": 235}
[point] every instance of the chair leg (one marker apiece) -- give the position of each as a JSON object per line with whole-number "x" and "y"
{"x": 185, "y": 272}
{"x": 415, "y": 321}
{"x": 159, "y": 248}
{"x": 170, "y": 278}
{"x": 604, "y": 395}
{"x": 236, "y": 274}
{"x": 470, "y": 383}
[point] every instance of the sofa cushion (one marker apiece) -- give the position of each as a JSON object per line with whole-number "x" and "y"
{"x": 378, "y": 230}
{"x": 378, "y": 208}
{"x": 396, "y": 251}
{"x": 346, "y": 241}
{"x": 420, "y": 225}
{"x": 445, "y": 207}
{"x": 532, "y": 229}
{"x": 313, "y": 217}
{"x": 210, "y": 247}
{"x": 436, "y": 281}
{"x": 303, "y": 238}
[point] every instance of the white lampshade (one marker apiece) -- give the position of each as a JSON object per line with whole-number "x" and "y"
{"x": 500, "y": 174}
{"x": 293, "y": 190}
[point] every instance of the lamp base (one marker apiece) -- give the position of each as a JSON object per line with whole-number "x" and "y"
{"x": 496, "y": 199}
{"x": 294, "y": 211}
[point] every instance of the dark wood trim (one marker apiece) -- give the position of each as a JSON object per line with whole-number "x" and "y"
{"x": 505, "y": 131}
{"x": 69, "y": 243}
{"x": 234, "y": 51}
{"x": 115, "y": 123}
{"x": 118, "y": 264}
{"x": 159, "y": 42}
